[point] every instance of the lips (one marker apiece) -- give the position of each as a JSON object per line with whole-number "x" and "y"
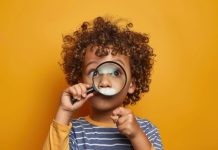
{"x": 108, "y": 91}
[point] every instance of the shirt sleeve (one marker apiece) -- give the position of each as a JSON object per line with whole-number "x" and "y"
{"x": 152, "y": 133}
{"x": 58, "y": 137}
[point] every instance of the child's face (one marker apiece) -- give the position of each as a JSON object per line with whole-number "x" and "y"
{"x": 98, "y": 101}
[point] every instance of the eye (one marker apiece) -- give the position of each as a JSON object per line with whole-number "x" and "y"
{"x": 93, "y": 73}
{"x": 90, "y": 73}
{"x": 117, "y": 73}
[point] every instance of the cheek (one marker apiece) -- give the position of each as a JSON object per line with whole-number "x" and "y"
{"x": 123, "y": 93}
{"x": 86, "y": 79}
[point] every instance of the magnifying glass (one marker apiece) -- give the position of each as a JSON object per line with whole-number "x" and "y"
{"x": 108, "y": 79}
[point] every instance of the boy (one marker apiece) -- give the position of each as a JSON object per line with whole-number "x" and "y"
{"x": 110, "y": 125}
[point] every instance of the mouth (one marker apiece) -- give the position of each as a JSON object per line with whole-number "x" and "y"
{"x": 107, "y": 91}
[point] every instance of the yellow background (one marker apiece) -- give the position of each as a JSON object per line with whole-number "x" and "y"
{"x": 183, "y": 98}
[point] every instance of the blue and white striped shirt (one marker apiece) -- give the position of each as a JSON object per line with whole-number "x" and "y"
{"x": 84, "y": 135}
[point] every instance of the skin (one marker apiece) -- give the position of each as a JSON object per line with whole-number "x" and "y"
{"x": 104, "y": 109}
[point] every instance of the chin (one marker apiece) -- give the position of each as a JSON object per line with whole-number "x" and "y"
{"x": 104, "y": 103}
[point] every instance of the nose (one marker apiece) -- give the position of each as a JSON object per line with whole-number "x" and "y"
{"x": 104, "y": 82}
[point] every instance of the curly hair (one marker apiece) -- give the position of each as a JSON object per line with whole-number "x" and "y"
{"x": 101, "y": 33}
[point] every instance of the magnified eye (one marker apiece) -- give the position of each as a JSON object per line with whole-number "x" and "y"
{"x": 117, "y": 73}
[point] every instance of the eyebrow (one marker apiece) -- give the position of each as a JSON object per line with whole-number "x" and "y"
{"x": 118, "y": 60}
{"x": 95, "y": 62}
{"x": 91, "y": 62}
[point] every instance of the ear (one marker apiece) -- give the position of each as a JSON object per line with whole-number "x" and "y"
{"x": 132, "y": 87}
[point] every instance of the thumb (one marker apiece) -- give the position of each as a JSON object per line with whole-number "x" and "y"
{"x": 114, "y": 118}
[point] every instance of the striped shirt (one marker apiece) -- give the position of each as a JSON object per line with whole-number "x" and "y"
{"x": 84, "y": 135}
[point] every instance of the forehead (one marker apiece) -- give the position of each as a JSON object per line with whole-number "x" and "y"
{"x": 90, "y": 55}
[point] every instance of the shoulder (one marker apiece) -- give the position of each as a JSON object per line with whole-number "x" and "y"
{"x": 78, "y": 126}
{"x": 148, "y": 127}
{"x": 151, "y": 132}
{"x": 145, "y": 123}
{"x": 79, "y": 122}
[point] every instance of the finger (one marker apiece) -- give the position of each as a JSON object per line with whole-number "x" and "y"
{"x": 125, "y": 129}
{"x": 128, "y": 121}
{"x": 114, "y": 118}
{"x": 89, "y": 96}
{"x": 121, "y": 111}
{"x": 67, "y": 92}
{"x": 83, "y": 89}
{"x": 81, "y": 102}
{"x": 88, "y": 85}
{"x": 85, "y": 99}
{"x": 78, "y": 91}
{"x": 122, "y": 120}
{"x": 122, "y": 127}
{"x": 73, "y": 91}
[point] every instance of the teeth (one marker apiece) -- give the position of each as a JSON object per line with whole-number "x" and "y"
{"x": 108, "y": 91}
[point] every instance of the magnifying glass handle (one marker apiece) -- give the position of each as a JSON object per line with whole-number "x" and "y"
{"x": 89, "y": 90}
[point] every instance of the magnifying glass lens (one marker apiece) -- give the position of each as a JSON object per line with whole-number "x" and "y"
{"x": 109, "y": 78}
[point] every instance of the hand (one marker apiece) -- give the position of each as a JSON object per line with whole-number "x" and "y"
{"x": 126, "y": 122}
{"x": 78, "y": 92}
{"x": 66, "y": 108}
{"x": 128, "y": 126}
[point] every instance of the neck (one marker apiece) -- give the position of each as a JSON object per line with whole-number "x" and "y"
{"x": 101, "y": 116}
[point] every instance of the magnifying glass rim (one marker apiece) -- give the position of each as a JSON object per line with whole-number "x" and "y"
{"x": 113, "y": 62}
